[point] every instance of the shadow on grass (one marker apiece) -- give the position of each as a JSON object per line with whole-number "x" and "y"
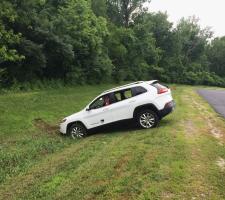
{"x": 118, "y": 127}
{"x": 124, "y": 126}
{"x": 165, "y": 122}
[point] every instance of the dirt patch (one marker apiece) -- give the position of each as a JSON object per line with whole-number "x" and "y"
{"x": 221, "y": 163}
{"x": 167, "y": 195}
{"x": 45, "y": 127}
{"x": 121, "y": 164}
{"x": 216, "y": 133}
{"x": 190, "y": 127}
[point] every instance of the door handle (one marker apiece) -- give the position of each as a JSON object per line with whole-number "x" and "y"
{"x": 102, "y": 121}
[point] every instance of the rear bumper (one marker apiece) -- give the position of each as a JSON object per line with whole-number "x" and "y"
{"x": 169, "y": 107}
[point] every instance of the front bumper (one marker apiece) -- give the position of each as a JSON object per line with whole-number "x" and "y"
{"x": 62, "y": 128}
{"x": 169, "y": 107}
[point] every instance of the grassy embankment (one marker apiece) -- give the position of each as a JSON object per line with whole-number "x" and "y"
{"x": 181, "y": 159}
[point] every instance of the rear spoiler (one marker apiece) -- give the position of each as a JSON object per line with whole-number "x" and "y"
{"x": 156, "y": 81}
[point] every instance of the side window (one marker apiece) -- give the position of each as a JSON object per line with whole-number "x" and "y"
{"x": 123, "y": 95}
{"x": 105, "y": 100}
{"x": 98, "y": 103}
{"x": 138, "y": 90}
{"x": 118, "y": 96}
{"x": 128, "y": 93}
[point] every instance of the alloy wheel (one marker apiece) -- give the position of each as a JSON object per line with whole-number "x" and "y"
{"x": 147, "y": 120}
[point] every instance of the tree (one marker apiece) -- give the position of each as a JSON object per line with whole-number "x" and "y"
{"x": 99, "y": 7}
{"x": 191, "y": 42}
{"x": 8, "y": 39}
{"x": 133, "y": 53}
{"x": 77, "y": 25}
{"x": 158, "y": 27}
{"x": 124, "y": 10}
{"x": 216, "y": 55}
{"x": 93, "y": 41}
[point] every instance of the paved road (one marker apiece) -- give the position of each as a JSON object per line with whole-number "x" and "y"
{"x": 216, "y": 98}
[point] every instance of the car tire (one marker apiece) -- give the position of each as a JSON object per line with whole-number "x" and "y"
{"x": 77, "y": 131}
{"x": 147, "y": 119}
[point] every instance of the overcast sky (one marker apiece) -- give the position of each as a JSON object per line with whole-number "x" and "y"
{"x": 210, "y": 12}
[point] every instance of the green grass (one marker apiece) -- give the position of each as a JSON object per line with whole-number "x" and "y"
{"x": 177, "y": 160}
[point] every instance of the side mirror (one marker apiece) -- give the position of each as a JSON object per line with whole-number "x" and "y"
{"x": 88, "y": 109}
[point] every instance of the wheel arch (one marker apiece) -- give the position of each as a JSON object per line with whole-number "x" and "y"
{"x": 146, "y": 106}
{"x": 71, "y": 123}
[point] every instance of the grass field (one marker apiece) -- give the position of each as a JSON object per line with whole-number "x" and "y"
{"x": 184, "y": 158}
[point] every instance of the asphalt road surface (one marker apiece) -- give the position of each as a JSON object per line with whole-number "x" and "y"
{"x": 216, "y": 98}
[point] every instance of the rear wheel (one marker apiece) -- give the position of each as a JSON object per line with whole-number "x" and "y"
{"x": 147, "y": 119}
{"x": 77, "y": 130}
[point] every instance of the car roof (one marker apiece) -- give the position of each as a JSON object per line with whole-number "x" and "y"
{"x": 128, "y": 86}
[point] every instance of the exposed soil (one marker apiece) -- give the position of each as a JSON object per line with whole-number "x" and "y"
{"x": 45, "y": 127}
{"x": 221, "y": 163}
{"x": 122, "y": 162}
{"x": 190, "y": 127}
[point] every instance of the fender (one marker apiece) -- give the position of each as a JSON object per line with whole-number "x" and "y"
{"x": 146, "y": 106}
{"x": 71, "y": 123}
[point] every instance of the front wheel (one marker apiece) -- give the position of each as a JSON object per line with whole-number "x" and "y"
{"x": 77, "y": 130}
{"x": 147, "y": 119}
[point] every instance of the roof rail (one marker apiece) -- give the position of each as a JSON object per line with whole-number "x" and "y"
{"x": 134, "y": 83}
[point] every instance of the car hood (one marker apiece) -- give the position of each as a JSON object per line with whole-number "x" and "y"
{"x": 76, "y": 116}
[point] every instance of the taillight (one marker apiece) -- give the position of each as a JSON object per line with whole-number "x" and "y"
{"x": 162, "y": 90}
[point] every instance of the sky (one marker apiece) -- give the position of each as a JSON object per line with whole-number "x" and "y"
{"x": 210, "y": 12}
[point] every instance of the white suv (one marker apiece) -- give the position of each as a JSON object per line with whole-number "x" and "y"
{"x": 146, "y": 102}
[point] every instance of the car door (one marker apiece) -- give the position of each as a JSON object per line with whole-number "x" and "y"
{"x": 127, "y": 101}
{"x": 99, "y": 113}
{"x": 123, "y": 109}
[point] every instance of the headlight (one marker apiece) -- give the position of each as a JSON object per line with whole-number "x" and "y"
{"x": 63, "y": 120}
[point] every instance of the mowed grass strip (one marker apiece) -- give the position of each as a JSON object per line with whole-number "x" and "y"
{"x": 197, "y": 186}
{"x": 177, "y": 160}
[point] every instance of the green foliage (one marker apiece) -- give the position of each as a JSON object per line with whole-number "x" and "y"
{"x": 216, "y": 55}
{"x": 99, "y": 7}
{"x": 78, "y": 26}
{"x": 94, "y": 41}
{"x": 122, "y": 12}
{"x": 8, "y": 38}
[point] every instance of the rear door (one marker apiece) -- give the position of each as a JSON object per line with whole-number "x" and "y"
{"x": 127, "y": 100}
{"x": 122, "y": 109}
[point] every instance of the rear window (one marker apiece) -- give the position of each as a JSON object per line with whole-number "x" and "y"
{"x": 138, "y": 90}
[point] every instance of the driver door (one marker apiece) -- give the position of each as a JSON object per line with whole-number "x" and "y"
{"x": 99, "y": 113}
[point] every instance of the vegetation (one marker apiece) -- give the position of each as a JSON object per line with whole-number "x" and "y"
{"x": 94, "y": 41}
{"x": 178, "y": 160}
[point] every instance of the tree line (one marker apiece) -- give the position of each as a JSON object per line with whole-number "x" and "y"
{"x": 94, "y": 41}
